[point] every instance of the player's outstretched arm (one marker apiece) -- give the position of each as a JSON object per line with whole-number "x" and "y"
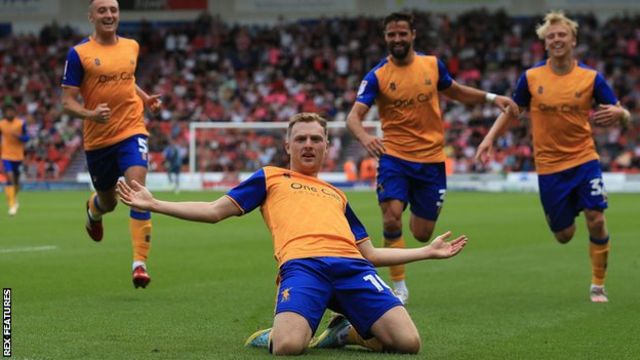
{"x": 140, "y": 197}
{"x": 372, "y": 144}
{"x": 469, "y": 95}
{"x": 439, "y": 248}
{"x": 485, "y": 149}
{"x": 153, "y": 102}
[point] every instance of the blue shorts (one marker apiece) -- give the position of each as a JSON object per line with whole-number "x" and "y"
{"x": 11, "y": 166}
{"x": 564, "y": 194}
{"x": 422, "y": 185}
{"x": 349, "y": 286}
{"x": 106, "y": 165}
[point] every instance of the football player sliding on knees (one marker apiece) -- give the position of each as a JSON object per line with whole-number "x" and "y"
{"x": 326, "y": 259}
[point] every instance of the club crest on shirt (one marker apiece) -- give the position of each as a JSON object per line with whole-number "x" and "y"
{"x": 287, "y": 175}
{"x": 284, "y": 295}
{"x": 132, "y": 62}
{"x": 427, "y": 81}
{"x": 97, "y": 61}
{"x": 578, "y": 94}
{"x": 540, "y": 90}
{"x": 393, "y": 86}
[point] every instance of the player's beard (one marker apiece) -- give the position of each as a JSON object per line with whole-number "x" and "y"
{"x": 399, "y": 53}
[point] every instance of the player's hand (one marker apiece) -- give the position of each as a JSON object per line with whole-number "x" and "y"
{"x": 507, "y": 106}
{"x": 101, "y": 113}
{"x": 484, "y": 151}
{"x": 136, "y": 195}
{"x": 442, "y": 249}
{"x": 373, "y": 145}
{"x": 154, "y": 103}
{"x": 607, "y": 115}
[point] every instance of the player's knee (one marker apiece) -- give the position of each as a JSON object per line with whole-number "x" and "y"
{"x": 392, "y": 224}
{"x": 422, "y": 235}
{"x": 564, "y": 236}
{"x": 596, "y": 221}
{"x": 287, "y": 345}
{"x": 407, "y": 344}
{"x": 410, "y": 345}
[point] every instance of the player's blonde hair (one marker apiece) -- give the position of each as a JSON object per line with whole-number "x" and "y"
{"x": 92, "y": 1}
{"x": 554, "y": 17}
{"x": 307, "y": 117}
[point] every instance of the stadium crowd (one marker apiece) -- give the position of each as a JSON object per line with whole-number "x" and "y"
{"x": 209, "y": 70}
{"x": 30, "y": 71}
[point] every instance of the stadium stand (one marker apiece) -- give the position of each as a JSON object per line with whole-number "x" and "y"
{"x": 209, "y": 70}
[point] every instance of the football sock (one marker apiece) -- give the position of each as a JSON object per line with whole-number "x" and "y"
{"x": 599, "y": 252}
{"x": 400, "y": 285}
{"x": 95, "y": 210}
{"x": 140, "y": 227}
{"x": 395, "y": 240}
{"x": 10, "y": 191}
{"x": 353, "y": 338}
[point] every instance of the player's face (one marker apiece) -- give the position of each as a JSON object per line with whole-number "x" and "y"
{"x": 399, "y": 38}
{"x": 307, "y": 146}
{"x": 105, "y": 15}
{"x": 9, "y": 113}
{"x": 559, "y": 40}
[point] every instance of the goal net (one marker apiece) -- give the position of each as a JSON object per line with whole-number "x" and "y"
{"x": 229, "y": 152}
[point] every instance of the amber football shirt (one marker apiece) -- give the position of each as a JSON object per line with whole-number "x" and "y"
{"x": 559, "y": 106}
{"x": 409, "y": 106}
{"x": 106, "y": 74}
{"x": 306, "y": 216}
{"x": 11, "y": 133}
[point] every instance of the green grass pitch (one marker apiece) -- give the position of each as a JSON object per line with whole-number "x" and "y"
{"x": 512, "y": 294}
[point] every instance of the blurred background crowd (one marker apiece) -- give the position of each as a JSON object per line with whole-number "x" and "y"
{"x": 211, "y": 71}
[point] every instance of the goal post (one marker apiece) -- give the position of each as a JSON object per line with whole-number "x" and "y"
{"x": 195, "y": 126}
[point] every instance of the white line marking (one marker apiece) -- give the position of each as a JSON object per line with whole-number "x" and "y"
{"x": 28, "y": 249}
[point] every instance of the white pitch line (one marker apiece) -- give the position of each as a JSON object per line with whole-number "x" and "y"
{"x": 28, "y": 249}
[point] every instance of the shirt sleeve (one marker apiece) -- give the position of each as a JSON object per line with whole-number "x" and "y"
{"x": 602, "y": 92}
{"x": 73, "y": 71}
{"x": 444, "y": 77}
{"x": 368, "y": 90}
{"x": 358, "y": 230}
{"x": 521, "y": 95}
{"x": 25, "y": 136}
{"x": 250, "y": 193}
